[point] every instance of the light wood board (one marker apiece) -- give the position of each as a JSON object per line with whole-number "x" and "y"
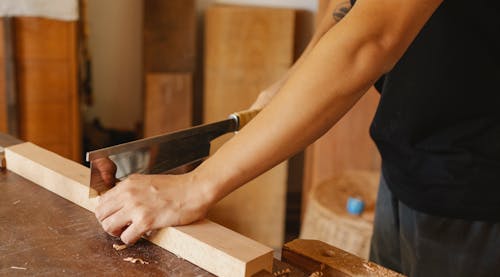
{"x": 208, "y": 245}
{"x": 47, "y": 85}
{"x": 169, "y": 36}
{"x": 247, "y": 49}
{"x": 168, "y": 103}
{"x": 326, "y": 260}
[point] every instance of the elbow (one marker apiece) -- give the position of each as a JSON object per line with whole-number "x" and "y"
{"x": 378, "y": 55}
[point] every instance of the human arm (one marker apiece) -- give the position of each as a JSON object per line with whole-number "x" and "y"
{"x": 344, "y": 63}
{"x": 335, "y": 11}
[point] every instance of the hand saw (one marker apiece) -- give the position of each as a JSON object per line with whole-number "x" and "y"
{"x": 159, "y": 154}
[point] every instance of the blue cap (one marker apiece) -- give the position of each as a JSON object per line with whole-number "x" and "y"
{"x": 355, "y": 205}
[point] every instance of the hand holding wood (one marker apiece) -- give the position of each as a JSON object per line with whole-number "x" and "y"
{"x": 142, "y": 203}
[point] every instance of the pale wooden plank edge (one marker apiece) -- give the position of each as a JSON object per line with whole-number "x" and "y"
{"x": 206, "y": 244}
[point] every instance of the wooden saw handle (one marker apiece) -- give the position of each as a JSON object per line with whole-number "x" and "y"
{"x": 243, "y": 117}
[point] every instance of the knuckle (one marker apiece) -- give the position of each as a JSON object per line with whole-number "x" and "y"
{"x": 128, "y": 193}
{"x": 145, "y": 220}
{"x": 107, "y": 227}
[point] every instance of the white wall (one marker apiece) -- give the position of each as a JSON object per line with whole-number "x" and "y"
{"x": 115, "y": 44}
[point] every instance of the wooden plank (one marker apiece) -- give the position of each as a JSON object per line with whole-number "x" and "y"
{"x": 326, "y": 260}
{"x": 210, "y": 246}
{"x": 51, "y": 236}
{"x": 169, "y": 36}
{"x": 48, "y": 98}
{"x": 246, "y": 49}
{"x": 168, "y": 103}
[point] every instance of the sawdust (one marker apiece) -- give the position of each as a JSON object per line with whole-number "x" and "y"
{"x": 135, "y": 260}
{"x": 18, "y": 267}
{"x": 119, "y": 247}
{"x": 16, "y": 202}
{"x": 318, "y": 273}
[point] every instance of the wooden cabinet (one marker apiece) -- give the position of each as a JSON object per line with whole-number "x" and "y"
{"x": 46, "y": 75}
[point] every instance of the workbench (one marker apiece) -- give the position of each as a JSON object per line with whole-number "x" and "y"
{"x": 44, "y": 234}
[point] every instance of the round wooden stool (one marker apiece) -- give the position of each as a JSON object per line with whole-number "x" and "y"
{"x": 327, "y": 219}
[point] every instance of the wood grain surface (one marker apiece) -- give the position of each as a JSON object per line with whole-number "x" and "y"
{"x": 43, "y": 234}
{"x": 168, "y": 102}
{"x": 246, "y": 49}
{"x": 169, "y": 36}
{"x": 50, "y": 236}
{"x": 47, "y": 85}
{"x": 325, "y": 260}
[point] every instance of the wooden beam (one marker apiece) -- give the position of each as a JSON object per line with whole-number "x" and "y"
{"x": 246, "y": 50}
{"x": 321, "y": 259}
{"x": 210, "y": 246}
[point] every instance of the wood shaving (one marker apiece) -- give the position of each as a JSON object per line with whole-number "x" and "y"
{"x": 282, "y": 272}
{"x": 16, "y": 202}
{"x": 119, "y": 247}
{"x": 18, "y": 267}
{"x": 135, "y": 260}
{"x": 318, "y": 273}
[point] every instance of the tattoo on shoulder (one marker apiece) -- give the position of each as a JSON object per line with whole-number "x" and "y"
{"x": 341, "y": 10}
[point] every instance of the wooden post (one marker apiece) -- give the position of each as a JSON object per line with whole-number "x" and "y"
{"x": 246, "y": 50}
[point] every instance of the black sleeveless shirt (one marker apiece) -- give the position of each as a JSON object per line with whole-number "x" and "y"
{"x": 437, "y": 126}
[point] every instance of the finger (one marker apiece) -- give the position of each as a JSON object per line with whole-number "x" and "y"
{"x": 116, "y": 223}
{"x": 134, "y": 232}
{"x": 113, "y": 193}
{"x": 108, "y": 207}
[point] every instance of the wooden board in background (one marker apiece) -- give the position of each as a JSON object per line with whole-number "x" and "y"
{"x": 169, "y": 36}
{"x": 46, "y": 69}
{"x": 169, "y": 51}
{"x": 168, "y": 103}
{"x": 3, "y": 96}
{"x": 246, "y": 49}
{"x": 347, "y": 146}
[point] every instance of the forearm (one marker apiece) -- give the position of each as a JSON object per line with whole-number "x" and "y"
{"x": 335, "y": 74}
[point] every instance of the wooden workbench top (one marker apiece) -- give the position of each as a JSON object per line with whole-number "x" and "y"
{"x": 50, "y": 236}
{"x": 44, "y": 234}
